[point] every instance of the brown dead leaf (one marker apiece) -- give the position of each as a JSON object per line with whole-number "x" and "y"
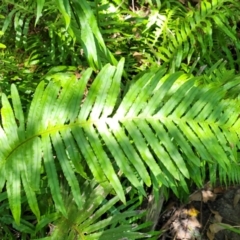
{"x": 138, "y": 56}
{"x": 213, "y": 229}
{"x": 218, "y": 217}
{"x": 210, "y": 235}
{"x": 236, "y": 198}
{"x": 187, "y": 228}
{"x": 219, "y": 190}
{"x": 203, "y": 195}
{"x": 196, "y": 196}
{"x": 172, "y": 219}
{"x": 208, "y": 195}
{"x": 183, "y": 224}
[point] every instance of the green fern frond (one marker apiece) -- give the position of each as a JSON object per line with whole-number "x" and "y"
{"x": 18, "y": 18}
{"x": 198, "y": 33}
{"x": 84, "y": 222}
{"x": 165, "y": 126}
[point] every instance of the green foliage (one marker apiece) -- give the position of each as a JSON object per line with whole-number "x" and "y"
{"x": 165, "y": 118}
{"x": 164, "y": 125}
{"x": 82, "y": 223}
{"x": 145, "y": 34}
{"x": 172, "y": 34}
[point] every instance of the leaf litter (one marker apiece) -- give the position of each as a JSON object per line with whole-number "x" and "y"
{"x": 212, "y": 213}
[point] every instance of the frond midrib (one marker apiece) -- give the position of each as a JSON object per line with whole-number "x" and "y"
{"x": 97, "y": 122}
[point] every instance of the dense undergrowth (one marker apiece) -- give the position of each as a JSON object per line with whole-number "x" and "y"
{"x": 120, "y": 100}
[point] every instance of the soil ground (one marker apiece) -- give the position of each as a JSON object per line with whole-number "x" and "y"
{"x": 209, "y": 215}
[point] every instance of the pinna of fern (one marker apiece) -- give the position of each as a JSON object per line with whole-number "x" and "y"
{"x": 199, "y": 33}
{"x": 92, "y": 221}
{"x": 75, "y": 28}
{"x": 164, "y": 130}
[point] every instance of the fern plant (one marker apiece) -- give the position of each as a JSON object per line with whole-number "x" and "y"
{"x": 153, "y": 33}
{"x": 208, "y": 32}
{"x": 89, "y": 222}
{"x": 161, "y": 130}
{"x": 102, "y": 216}
{"x": 164, "y": 130}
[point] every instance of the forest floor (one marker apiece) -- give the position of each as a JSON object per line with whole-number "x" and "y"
{"x": 209, "y": 215}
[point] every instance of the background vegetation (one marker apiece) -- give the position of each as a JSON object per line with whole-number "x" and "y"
{"x": 106, "y": 103}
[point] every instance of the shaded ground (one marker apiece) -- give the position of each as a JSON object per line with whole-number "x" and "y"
{"x": 207, "y": 216}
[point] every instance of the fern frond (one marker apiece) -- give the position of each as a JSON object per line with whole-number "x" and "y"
{"x": 199, "y": 32}
{"x": 165, "y": 126}
{"x": 85, "y": 221}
